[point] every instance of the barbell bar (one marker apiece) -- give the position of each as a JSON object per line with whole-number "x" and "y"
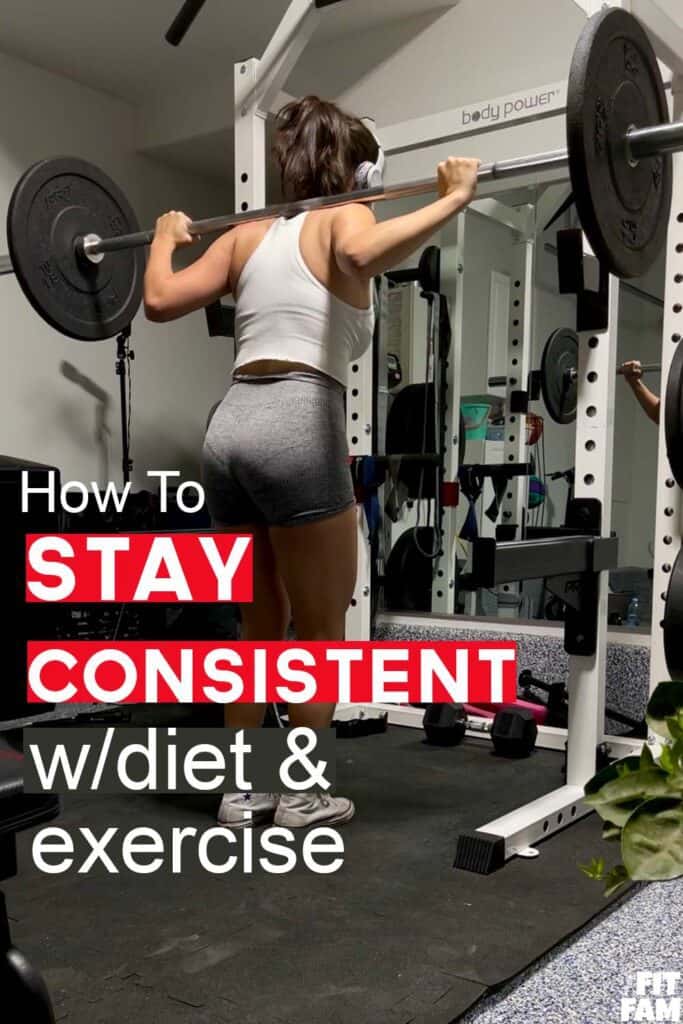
{"x": 644, "y": 368}
{"x": 649, "y": 141}
{"x": 93, "y": 247}
{"x": 501, "y": 382}
{"x": 75, "y": 245}
{"x": 487, "y": 172}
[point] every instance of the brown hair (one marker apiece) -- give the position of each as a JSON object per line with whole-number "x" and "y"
{"x": 318, "y": 148}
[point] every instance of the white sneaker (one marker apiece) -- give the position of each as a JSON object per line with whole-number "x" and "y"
{"x": 299, "y": 810}
{"x": 242, "y": 810}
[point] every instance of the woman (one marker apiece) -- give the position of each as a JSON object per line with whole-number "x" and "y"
{"x": 275, "y": 458}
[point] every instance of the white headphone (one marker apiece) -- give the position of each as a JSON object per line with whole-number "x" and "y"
{"x": 371, "y": 175}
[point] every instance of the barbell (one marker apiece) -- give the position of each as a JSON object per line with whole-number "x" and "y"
{"x": 572, "y": 371}
{"x": 76, "y": 248}
{"x": 559, "y": 374}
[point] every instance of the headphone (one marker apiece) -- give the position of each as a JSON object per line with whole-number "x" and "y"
{"x": 371, "y": 175}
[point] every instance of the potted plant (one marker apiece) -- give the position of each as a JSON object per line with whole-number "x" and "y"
{"x": 640, "y": 800}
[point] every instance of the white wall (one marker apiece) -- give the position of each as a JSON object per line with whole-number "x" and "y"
{"x": 179, "y": 373}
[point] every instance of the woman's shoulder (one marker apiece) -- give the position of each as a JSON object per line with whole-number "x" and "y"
{"x": 353, "y": 214}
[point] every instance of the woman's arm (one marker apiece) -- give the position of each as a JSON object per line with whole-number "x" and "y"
{"x": 170, "y": 295}
{"x": 364, "y": 248}
{"x": 651, "y": 404}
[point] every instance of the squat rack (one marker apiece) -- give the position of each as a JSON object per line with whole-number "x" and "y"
{"x": 257, "y": 86}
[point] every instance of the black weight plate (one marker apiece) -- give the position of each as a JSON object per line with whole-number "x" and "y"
{"x": 409, "y": 573}
{"x": 615, "y": 85}
{"x": 559, "y": 375}
{"x": 673, "y": 621}
{"x": 54, "y": 203}
{"x": 673, "y": 416}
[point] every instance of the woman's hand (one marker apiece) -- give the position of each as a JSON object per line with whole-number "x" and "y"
{"x": 632, "y": 371}
{"x": 458, "y": 176}
{"x": 174, "y": 226}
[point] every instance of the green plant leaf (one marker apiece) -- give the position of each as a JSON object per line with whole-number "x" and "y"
{"x": 667, "y": 760}
{"x": 617, "y": 800}
{"x": 610, "y": 773}
{"x": 610, "y": 832}
{"x": 646, "y": 758}
{"x": 617, "y": 877}
{"x": 652, "y": 841}
{"x": 665, "y": 703}
{"x": 595, "y": 869}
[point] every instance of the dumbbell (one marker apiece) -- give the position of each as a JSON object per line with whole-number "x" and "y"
{"x": 513, "y": 730}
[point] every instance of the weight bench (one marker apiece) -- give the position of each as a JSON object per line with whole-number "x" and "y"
{"x": 23, "y": 993}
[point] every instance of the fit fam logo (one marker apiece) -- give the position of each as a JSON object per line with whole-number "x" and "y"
{"x": 512, "y": 108}
{"x": 657, "y": 997}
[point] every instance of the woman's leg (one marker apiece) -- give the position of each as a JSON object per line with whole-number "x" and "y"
{"x": 267, "y": 618}
{"x": 317, "y": 564}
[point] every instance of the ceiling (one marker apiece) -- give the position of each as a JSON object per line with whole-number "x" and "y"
{"x": 119, "y": 47}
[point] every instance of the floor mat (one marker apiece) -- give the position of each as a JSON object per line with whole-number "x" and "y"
{"x": 395, "y": 937}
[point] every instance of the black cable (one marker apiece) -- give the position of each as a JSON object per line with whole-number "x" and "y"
{"x": 129, "y": 361}
{"x": 431, "y": 351}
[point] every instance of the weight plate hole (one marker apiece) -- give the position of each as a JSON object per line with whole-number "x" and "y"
{"x": 593, "y": 342}
{"x": 592, "y": 377}
{"x": 589, "y": 479}
{"x": 678, "y": 308}
{"x": 590, "y": 446}
{"x": 592, "y": 410}
{"x": 668, "y": 540}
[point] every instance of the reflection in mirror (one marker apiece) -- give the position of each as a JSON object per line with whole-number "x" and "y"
{"x": 416, "y": 352}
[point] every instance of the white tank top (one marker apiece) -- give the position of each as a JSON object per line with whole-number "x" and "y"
{"x": 283, "y": 312}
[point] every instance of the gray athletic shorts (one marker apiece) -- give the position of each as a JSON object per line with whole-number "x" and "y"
{"x": 275, "y": 451}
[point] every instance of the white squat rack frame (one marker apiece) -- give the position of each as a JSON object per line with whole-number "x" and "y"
{"x": 258, "y": 86}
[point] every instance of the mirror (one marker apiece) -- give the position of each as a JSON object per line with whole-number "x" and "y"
{"x": 416, "y": 332}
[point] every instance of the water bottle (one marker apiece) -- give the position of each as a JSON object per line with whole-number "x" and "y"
{"x": 633, "y": 613}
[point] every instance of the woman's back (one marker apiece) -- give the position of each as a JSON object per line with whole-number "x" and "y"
{"x": 293, "y": 303}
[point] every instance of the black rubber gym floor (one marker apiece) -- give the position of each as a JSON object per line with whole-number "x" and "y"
{"x": 397, "y": 936}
